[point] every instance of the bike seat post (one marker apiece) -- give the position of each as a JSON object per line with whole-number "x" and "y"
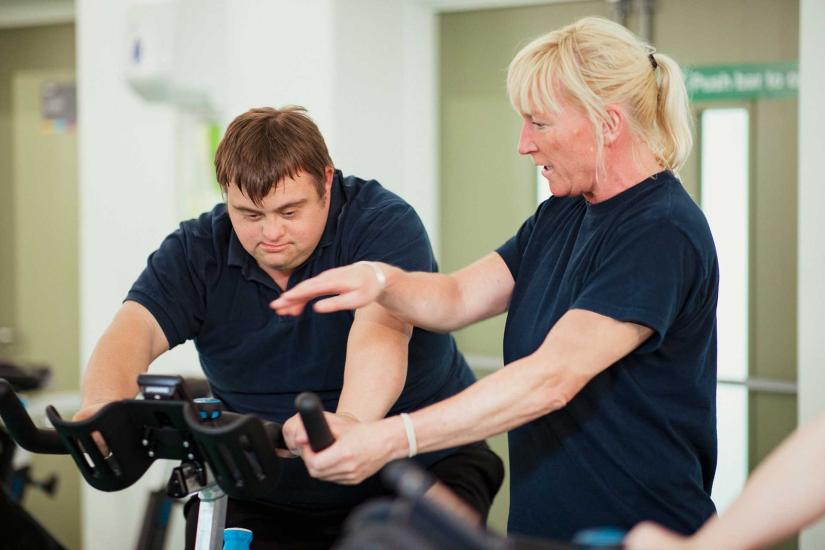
{"x": 213, "y": 500}
{"x": 211, "y": 518}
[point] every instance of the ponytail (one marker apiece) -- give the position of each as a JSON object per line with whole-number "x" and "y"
{"x": 673, "y": 118}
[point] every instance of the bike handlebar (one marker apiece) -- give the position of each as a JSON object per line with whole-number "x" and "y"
{"x": 239, "y": 448}
{"x": 22, "y": 429}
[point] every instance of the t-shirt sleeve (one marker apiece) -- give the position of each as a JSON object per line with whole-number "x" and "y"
{"x": 393, "y": 234}
{"x": 644, "y": 278}
{"x": 172, "y": 290}
{"x": 512, "y": 251}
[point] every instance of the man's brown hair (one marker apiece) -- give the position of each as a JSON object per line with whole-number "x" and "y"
{"x": 263, "y": 146}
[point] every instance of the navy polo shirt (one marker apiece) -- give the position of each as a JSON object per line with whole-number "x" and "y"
{"x": 202, "y": 285}
{"x": 639, "y": 441}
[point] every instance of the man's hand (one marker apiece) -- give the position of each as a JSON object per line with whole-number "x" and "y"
{"x": 357, "y": 454}
{"x": 650, "y": 536}
{"x": 295, "y": 435}
{"x": 354, "y": 286}
{"x": 88, "y": 411}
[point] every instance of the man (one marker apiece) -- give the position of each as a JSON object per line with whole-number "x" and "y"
{"x": 288, "y": 216}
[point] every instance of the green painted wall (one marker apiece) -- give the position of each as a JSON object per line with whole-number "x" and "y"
{"x": 487, "y": 189}
{"x": 39, "y": 240}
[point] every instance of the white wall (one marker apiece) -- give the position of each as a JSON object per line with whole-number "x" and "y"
{"x": 279, "y": 52}
{"x": 811, "y": 286}
{"x": 365, "y": 69}
{"x": 127, "y": 205}
{"x": 385, "y": 62}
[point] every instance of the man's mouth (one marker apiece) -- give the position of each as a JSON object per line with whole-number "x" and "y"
{"x": 272, "y": 247}
{"x": 546, "y": 170}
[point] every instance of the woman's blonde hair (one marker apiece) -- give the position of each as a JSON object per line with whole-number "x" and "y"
{"x": 595, "y": 62}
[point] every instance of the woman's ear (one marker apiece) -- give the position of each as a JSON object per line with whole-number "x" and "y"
{"x": 614, "y": 125}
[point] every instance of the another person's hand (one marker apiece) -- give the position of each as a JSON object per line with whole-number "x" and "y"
{"x": 352, "y": 286}
{"x": 356, "y": 455}
{"x": 650, "y": 536}
{"x": 295, "y": 434}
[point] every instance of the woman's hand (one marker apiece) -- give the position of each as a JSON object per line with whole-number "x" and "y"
{"x": 295, "y": 434}
{"x": 353, "y": 286}
{"x": 357, "y": 454}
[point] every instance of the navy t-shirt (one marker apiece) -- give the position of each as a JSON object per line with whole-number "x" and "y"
{"x": 639, "y": 441}
{"x": 202, "y": 285}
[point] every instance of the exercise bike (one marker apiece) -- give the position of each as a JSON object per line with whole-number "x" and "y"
{"x": 16, "y": 472}
{"x": 224, "y": 454}
{"x": 221, "y": 453}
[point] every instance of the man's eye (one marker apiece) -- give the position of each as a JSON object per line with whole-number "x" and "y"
{"x": 288, "y": 214}
{"x": 539, "y": 125}
{"x": 251, "y": 216}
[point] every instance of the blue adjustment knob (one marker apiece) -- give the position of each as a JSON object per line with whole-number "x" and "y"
{"x": 209, "y": 408}
{"x": 599, "y": 538}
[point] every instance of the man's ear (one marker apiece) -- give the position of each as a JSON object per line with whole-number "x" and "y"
{"x": 329, "y": 171}
{"x": 613, "y": 127}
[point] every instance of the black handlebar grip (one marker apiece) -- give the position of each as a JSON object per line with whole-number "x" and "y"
{"x": 312, "y": 415}
{"x": 22, "y": 429}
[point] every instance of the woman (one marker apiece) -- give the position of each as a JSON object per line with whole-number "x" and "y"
{"x": 608, "y": 392}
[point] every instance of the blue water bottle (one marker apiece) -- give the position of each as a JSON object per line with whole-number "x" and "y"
{"x": 236, "y": 538}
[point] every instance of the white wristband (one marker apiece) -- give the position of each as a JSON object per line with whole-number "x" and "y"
{"x": 379, "y": 273}
{"x": 408, "y": 427}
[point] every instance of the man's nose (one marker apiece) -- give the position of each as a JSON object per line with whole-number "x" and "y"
{"x": 272, "y": 229}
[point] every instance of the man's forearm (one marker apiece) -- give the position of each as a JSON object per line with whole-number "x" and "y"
{"x": 376, "y": 366}
{"x": 125, "y": 350}
{"x": 112, "y": 370}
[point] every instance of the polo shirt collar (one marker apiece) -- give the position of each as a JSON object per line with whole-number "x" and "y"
{"x": 251, "y": 271}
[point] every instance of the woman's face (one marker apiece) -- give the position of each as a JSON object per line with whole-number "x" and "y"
{"x": 564, "y": 145}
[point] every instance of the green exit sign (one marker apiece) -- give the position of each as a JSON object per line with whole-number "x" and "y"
{"x": 751, "y": 81}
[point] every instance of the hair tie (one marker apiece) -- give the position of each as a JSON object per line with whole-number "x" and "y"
{"x": 652, "y": 61}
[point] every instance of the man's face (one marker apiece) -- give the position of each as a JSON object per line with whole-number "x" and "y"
{"x": 283, "y": 231}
